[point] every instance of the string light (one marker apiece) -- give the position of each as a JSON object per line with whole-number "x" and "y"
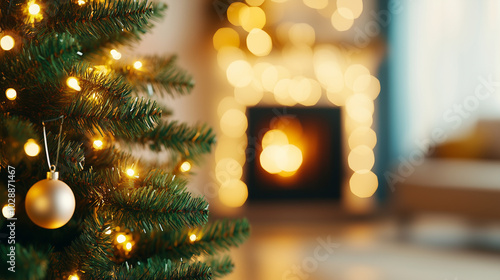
{"x": 8, "y": 211}
{"x": 115, "y": 54}
{"x": 31, "y": 148}
{"x": 128, "y": 246}
{"x": 121, "y": 238}
{"x": 130, "y": 172}
{"x": 192, "y": 237}
{"x": 7, "y": 43}
{"x": 137, "y": 64}
{"x": 73, "y": 277}
{"x": 72, "y": 82}
{"x": 97, "y": 144}
{"x": 185, "y": 166}
{"x": 108, "y": 232}
{"x": 34, "y": 9}
{"x": 11, "y": 94}
{"x": 81, "y": 2}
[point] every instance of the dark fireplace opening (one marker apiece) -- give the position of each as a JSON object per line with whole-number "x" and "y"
{"x": 294, "y": 153}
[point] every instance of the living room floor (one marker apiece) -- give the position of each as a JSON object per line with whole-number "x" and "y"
{"x": 288, "y": 242}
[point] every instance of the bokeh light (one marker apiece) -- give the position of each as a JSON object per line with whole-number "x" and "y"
{"x": 227, "y": 169}
{"x": 233, "y": 123}
{"x": 130, "y": 172}
{"x": 228, "y": 102}
{"x": 252, "y": 17}
{"x": 359, "y": 107}
{"x": 282, "y": 93}
{"x": 31, "y": 148}
{"x": 259, "y": 42}
{"x": 233, "y": 12}
{"x": 228, "y": 55}
{"x": 274, "y": 137}
{"x": 254, "y": 2}
{"x": 363, "y": 136}
{"x": 361, "y": 159}
{"x": 239, "y": 73}
{"x": 353, "y": 72}
{"x": 363, "y": 185}
{"x": 192, "y": 237}
{"x": 225, "y": 37}
{"x": 302, "y": 33}
{"x": 233, "y": 193}
{"x": 249, "y": 95}
{"x": 368, "y": 85}
{"x": 340, "y": 22}
{"x": 355, "y": 8}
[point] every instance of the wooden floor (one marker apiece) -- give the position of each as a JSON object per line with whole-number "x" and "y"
{"x": 287, "y": 242}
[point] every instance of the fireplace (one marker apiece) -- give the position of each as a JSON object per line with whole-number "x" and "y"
{"x": 294, "y": 153}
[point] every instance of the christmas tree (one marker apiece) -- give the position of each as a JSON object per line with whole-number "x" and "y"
{"x": 72, "y": 105}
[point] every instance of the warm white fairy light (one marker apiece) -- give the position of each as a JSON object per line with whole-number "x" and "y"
{"x": 7, "y": 43}
{"x": 31, "y": 148}
{"x": 97, "y": 144}
{"x": 128, "y": 246}
{"x": 130, "y": 172}
{"x": 11, "y": 94}
{"x": 121, "y": 238}
{"x": 137, "y": 64}
{"x": 192, "y": 237}
{"x": 72, "y": 82}
{"x": 34, "y": 9}
{"x": 185, "y": 166}
{"x": 115, "y": 54}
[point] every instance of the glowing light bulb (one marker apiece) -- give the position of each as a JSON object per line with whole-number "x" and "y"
{"x": 108, "y": 232}
{"x": 74, "y": 277}
{"x": 11, "y": 94}
{"x": 31, "y": 148}
{"x": 115, "y": 54}
{"x": 130, "y": 172}
{"x": 7, "y": 43}
{"x": 72, "y": 82}
{"x": 128, "y": 246}
{"x": 185, "y": 166}
{"x": 137, "y": 64}
{"x": 192, "y": 237}
{"x": 8, "y": 211}
{"x": 97, "y": 144}
{"x": 121, "y": 238}
{"x": 81, "y": 2}
{"x": 34, "y": 9}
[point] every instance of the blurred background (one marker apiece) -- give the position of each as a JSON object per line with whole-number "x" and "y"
{"x": 360, "y": 137}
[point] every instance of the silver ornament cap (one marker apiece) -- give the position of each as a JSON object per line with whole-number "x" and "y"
{"x": 50, "y": 203}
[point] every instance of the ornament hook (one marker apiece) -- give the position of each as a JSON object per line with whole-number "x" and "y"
{"x": 52, "y": 168}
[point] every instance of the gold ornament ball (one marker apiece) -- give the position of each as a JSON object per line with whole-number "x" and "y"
{"x": 50, "y": 203}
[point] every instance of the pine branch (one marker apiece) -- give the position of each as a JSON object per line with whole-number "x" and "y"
{"x": 29, "y": 264}
{"x": 212, "y": 238}
{"x": 150, "y": 208}
{"x": 130, "y": 118}
{"x": 190, "y": 142}
{"x": 100, "y": 19}
{"x": 30, "y": 67}
{"x": 158, "y": 75}
{"x": 221, "y": 266}
{"x": 89, "y": 253}
{"x": 157, "y": 268}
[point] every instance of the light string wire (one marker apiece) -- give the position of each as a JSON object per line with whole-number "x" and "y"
{"x": 52, "y": 167}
